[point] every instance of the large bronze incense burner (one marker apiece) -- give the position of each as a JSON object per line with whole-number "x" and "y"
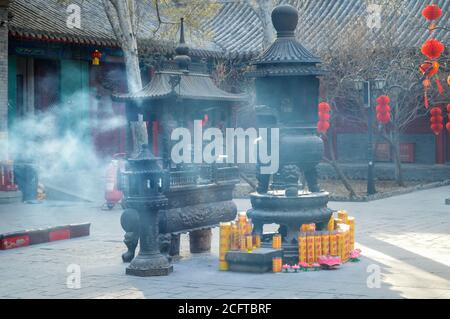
{"x": 197, "y": 197}
{"x": 287, "y": 92}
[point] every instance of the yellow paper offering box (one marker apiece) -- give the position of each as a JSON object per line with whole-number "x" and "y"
{"x": 331, "y": 224}
{"x": 277, "y": 264}
{"x": 317, "y": 245}
{"x": 302, "y": 249}
{"x": 325, "y": 243}
{"x": 276, "y": 241}
{"x": 351, "y": 223}
{"x": 334, "y": 244}
{"x": 343, "y": 216}
{"x": 310, "y": 248}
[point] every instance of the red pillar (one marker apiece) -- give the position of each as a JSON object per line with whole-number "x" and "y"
{"x": 440, "y": 147}
{"x": 155, "y": 129}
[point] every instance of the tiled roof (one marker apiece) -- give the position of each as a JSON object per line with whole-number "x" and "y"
{"x": 323, "y": 23}
{"x": 236, "y": 28}
{"x": 192, "y": 86}
{"x": 46, "y": 20}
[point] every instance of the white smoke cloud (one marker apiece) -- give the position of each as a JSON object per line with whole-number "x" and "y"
{"x": 60, "y": 143}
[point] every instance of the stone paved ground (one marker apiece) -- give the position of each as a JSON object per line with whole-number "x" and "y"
{"x": 407, "y": 237}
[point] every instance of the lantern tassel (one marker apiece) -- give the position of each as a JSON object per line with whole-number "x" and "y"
{"x": 439, "y": 86}
{"x": 427, "y": 104}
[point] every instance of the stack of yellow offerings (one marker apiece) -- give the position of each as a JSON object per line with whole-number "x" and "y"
{"x": 340, "y": 245}
{"x": 317, "y": 245}
{"x": 277, "y": 264}
{"x": 234, "y": 236}
{"x": 334, "y": 244}
{"x": 249, "y": 243}
{"x": 276, "y": 241}
{"x": 351, "y": 223}
{"x": 308, "y": 228}
{"x": 343, "y": 241}
{"x": 325, "y": 243}
{"x": 310, "y": 248}
{"x": 225, "y": 244}
{"x": 237, "y": 235}
{"x": 257, "y": 241}
{"x": 244, "y": 230}
{"x": 331, "y": 223}
{"x": 343, "y": 216}
{"x": 302, "y": 248}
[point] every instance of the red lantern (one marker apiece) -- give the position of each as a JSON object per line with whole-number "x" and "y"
{"x": 323, "y": 126}
{"x": 433, "y": 49}
{"x": 383, "y": 109}
{"x": 205, "y": 120}
{"x": 428, "y": 68}
{"x": 432, "y": 12}
{"x": 437, "y": 128}
{"x": 448, "y": 80}
{"x": 383, "y": 100}
{"x": 324, "y": 107}
{"x": 96, "y": 56}
{"x": 448, "y": 126}
{"x": 324, "y": 117}
{"x": 436, "y": 120}
{"x": 448, "y": 109}
{"x": 435, "y": 111}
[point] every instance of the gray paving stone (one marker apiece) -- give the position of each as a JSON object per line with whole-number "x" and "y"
{"x": 406, "y": 236}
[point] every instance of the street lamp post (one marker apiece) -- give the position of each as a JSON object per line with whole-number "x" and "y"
{"x": 366, "y": 86}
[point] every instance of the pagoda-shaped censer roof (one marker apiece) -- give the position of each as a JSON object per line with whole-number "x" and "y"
{"x": 182, "y": 83}
{"x": 286, "y": 56}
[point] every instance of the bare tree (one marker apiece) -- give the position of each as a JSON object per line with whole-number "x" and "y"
{"x": 125, "y": 16}
{"x": 379, "y": 57}
{"x": 263, "y": 9}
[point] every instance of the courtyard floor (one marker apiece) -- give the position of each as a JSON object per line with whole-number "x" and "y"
{"x": 406, "y": 238}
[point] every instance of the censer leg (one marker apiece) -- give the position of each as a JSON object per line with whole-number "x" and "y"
{"x": 200, "y": 241}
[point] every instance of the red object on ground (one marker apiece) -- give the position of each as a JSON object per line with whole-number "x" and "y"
{"x": 112, "y": 194}
{"x": 43, "y": 235}
{"x": 79, "y": 230}
{"x": 60, "y": 234}
{"x": 433, "y": 48}
{"x": 432, "y": 12}
{"x": 7, "y": 183}
{"x": 11, "y": 242}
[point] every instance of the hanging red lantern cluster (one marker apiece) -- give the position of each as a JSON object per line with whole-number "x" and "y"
{"x": 324, "y": 118}
{"x": 383, "y": 109}
{"x": 96, "y": 56}
{"x": 436, "y": 120}
{"x": 448, "y": 118}
{"x": 432, "y": 49}
{"x": 432, "y": 12}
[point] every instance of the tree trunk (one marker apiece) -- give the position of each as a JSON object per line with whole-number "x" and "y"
{"x": 395, "y": 144}
{"x": 332, "y": 161}
{"x": 121, "y": 15}
{"x": 263, "y": 9}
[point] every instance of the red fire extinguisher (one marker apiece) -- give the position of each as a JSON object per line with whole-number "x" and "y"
{"x": 112, "y": 195}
